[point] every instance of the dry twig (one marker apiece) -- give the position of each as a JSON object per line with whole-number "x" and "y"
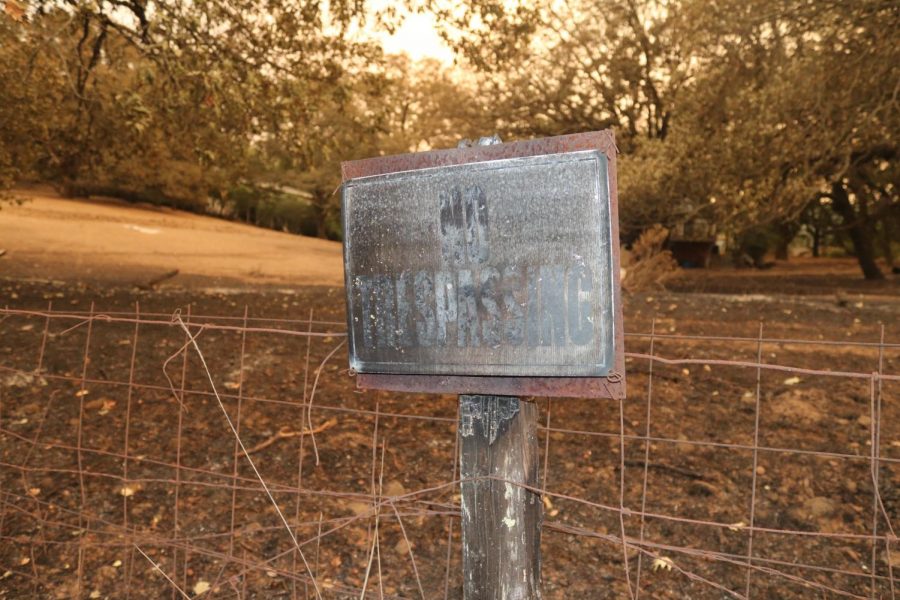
{"x": 285, "y": 433}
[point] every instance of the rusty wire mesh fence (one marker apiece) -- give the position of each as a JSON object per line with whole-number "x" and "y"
{"x": 182, "y": 455}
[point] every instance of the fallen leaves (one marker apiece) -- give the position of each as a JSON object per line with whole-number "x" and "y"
{"x": 393, "y": 489}
{"x": 548, "y": 506}
{"x": 662, "y": 563}
{"x": 102, "y": 405}
{"x": 201, "y": 587}
{"x": 359, "y": 508}
{"x": 402, "y": 547}
{"x": 22, "y": 380}
{"x": 129, "y": 489}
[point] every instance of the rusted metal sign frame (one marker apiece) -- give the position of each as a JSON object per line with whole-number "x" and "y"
{"x": 610, "y": 386}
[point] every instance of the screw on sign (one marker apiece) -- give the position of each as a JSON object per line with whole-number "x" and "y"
{"x": 490, "y": 271}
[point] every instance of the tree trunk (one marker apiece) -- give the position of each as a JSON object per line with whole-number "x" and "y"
{"x": 886, "y": 250}
{"x": 781, "y": 250}
{"x": 786, "y": 234}
{"x": 320, "y": 212}
{"x": 860, "y": 232}
{"x": 321, "y": 230}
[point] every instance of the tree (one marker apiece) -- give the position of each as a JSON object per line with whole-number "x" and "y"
{"x": 554, "y": 68}
{"x": 394, "y": 107}
{"x": 168, "y": 100}
{"x": 745, "y": 110}
{"x": 213, "y": 104}
{"x": 810, "y": 111}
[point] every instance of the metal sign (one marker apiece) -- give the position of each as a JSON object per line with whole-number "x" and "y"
{"x": 490, "y": 263}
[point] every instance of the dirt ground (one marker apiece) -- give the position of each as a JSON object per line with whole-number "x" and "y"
{"x": 802, "y": 276}
{"x": 106, "y": 240}
{"x": 101, "y": 479}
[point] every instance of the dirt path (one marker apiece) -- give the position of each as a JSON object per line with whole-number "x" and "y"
{"x": 103, "y": 240}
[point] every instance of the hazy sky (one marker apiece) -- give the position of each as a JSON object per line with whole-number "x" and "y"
{"x": 417, "y": 37}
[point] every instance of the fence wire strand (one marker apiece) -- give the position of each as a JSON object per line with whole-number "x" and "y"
{"x": 118, "y": 478}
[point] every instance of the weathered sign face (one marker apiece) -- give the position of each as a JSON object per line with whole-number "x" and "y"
{"x": 503, "y": 267}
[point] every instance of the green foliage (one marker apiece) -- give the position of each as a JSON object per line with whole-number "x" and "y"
{"x": 211, "y": 106}
{"x": 271, "y": 208}
{"x": 757, "y": 242}
{"x": 8, "y": 171}
{"x": 746, "y": 111}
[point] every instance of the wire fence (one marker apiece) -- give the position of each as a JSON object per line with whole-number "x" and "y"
{"x": 149, "y": 454}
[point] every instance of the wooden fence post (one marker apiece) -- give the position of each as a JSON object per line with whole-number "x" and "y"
{"x": 501, "y": 520}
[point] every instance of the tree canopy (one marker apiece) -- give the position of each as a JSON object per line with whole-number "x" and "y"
{"x": 750, "y": 113}
{"x": 193, "y": 103}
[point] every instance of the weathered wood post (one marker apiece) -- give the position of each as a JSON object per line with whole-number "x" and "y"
{"x": 489, "y": 269}
{"x": 501, "y": 512}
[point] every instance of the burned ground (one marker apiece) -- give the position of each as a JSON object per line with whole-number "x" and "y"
{"x": 81, "y": 505}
